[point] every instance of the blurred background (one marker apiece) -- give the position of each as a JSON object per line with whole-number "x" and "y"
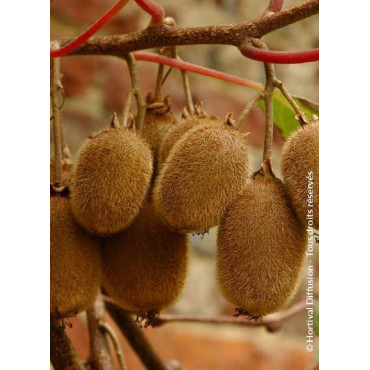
{"x": 95, "y": 86}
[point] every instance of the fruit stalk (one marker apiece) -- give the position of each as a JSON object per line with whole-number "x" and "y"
{"x": 131, "y": 62}
{"x": 248, "y": 108}
{"x": 135, "y": 337}
{"x": 268, "y": 97}
{"x": 57, "y": 120}
{"x": 126, "y": 108}
{"x": 300, "y": 115}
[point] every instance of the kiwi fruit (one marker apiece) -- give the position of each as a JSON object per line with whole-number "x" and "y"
{"x": 175, "y": 133}
{"x": 204, "y": 172}
{"x": 261, "y": 247}
{"x": 75, "y": 262}
{"x": 158, "y": 121}
{"x": 300, "y": 170}
{"x": 144, "y": 266}
{"x": 110, "y": 180}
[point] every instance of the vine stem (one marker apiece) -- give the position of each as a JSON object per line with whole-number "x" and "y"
{"x": 135, "y": 337}
{"x": 281, "y": 57}
{"x": 152, "y": 8}
{"x": 57, "y": 121}
{"x": 275, "y": 6}
{"x": 62, "y": 354}
{"x": 162, "y": 35}
{"x": 190, "y": 67}
{"x": 117, "y": 347}
{"x": 99, "y": 349}
{"x": 72, "y": 45}
{"x": 136, "y": 88}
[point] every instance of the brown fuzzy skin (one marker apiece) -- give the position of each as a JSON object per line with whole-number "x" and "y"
{"x": 144, "y": 267}
{"x": 300, "y": 156}
{"x": 110, "y": 180}
{"x": 205, "y": 171}
{"x": 175, "y": 133}
{"x": 75, "y": 262}
{"x": 156, "y": 126}
{"x": 261, "y": 248}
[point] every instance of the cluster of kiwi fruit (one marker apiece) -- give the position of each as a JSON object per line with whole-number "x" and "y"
{"x": 132, "y": 197}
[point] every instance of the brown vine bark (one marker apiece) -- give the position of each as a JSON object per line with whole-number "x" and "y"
{"x": 162, "y": 35}
{"x": 62, "y": 354}
{"x": 135, "y": 337}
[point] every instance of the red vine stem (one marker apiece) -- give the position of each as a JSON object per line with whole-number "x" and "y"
{"x": 152, "y": 8}
{"x": 90, "y": 31}
{"x": 281, "y": 57}
{"x": 275, "y": 6}
{"x": 190, "y": 67}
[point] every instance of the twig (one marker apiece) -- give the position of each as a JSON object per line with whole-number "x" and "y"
{"x": 247, "y": 109}
{"x": 270, "y": 321}
{"x": 57, "y": 121}
{"x": 190, "y": 67}
{"x": 135, "y": 337}
{"x": 162, "y": 35}
{"x": 112, "y": 335}
{"x": 136, "y": 88}
{"x": 300, "y": 115}
{"x": 281, "y": 57}
{"x": 99, "y": 348}
{"x": 152, "y": 8}
{"x": 62, "y": 354}
{"x": 73, "y": 44}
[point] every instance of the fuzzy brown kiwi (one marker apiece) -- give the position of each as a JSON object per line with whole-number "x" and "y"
{"x": 158, "y": 121}
{"x": 75, "y": 262}
{"x": 300, "y": 170}
{"x": 110, "y": 180}
{"x": 144, "y": 267}
{"x": 260, "y": 248}
{"x": 205, "y": 170}
{"x": 174, "y": 134}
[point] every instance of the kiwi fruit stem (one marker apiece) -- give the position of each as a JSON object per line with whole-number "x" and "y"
{"x": 244, "y": 113}
{"x": 136, "y": 88}
{"x": 56, "y": 86}
{"x": 126, "y": 108}
{"x": 299, "y": 114}
{"x": 265, "y": 170}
